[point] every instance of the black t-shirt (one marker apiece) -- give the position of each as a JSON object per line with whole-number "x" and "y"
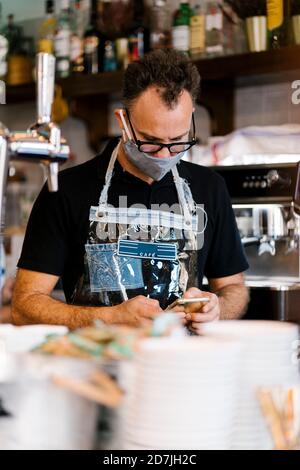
{"x": 59, "y": 222}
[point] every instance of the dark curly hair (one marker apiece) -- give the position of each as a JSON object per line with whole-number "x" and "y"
{"x": 170, "y": 71}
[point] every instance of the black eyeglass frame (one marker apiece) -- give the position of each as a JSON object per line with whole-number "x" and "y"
{"x": 139, "y": 143}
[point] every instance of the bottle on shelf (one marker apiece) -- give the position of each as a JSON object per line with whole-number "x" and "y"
{"x": 234, "y": 34}
{"x": 181, "y": 28}
{"x": 47, "y": 29}
{"x": 116, "y": 17}
{"x": 20, "y": 53}
{"x": 138, "y": 40}
{"x": 62, "y": 40}
{"x": 197, "y": 30}
{"x": 122, "y": 53}
{"x": 136, "y": 45}
{"x": 214, "y": 42}
{"x": 77, "y": 31}
{"x": 14, "y": 35}
{"x": 279, "y": 31}
{"x": 160, "y": 25}
{"x": 3, "y": 49}
{"x": 93, "y": 43}
{"x": 110, "y": 63}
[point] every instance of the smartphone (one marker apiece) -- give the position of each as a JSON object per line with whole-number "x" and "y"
{"x": 185, "y": 302}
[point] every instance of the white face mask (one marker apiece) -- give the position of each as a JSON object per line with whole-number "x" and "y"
{"x": 155, "y": 167}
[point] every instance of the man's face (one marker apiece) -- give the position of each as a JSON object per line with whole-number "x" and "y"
{"x": 153, "y": 121}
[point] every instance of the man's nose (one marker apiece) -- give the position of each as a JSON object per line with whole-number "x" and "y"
{"x": 164, "y": 152}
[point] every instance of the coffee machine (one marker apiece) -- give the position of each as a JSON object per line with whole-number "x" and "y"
{"x": 266, "y": 203}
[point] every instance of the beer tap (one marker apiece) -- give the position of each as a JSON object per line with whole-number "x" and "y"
{"x": 40, "y": 143}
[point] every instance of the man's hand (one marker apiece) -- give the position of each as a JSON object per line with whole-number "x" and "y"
{"x": 199, "y": 313}
{"x": 138, "y": 311}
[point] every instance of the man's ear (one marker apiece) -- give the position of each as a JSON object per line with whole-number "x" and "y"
{"x": 121, "y": 118}
{"x": 117, "y": 116}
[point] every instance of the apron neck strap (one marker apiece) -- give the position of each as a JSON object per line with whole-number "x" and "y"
{"x": 182, "y": 200}
{"x": 108, "y": 177}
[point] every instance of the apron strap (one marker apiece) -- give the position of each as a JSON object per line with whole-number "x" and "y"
{"x": 108, "y": 177}
{"x": 182, "y": 200}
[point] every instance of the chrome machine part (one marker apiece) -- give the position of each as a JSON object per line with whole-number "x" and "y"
{"x": 266, "y": 202}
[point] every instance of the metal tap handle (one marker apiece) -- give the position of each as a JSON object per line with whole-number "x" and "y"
{"x": 52, "y": 176}
{"x": 45, "y": 86}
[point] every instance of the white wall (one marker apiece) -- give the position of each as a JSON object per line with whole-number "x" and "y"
{"x": 23, "y": 9}
{"x": 266, "y": 105}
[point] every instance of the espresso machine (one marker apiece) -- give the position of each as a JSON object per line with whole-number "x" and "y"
{"x": 266, "y": 203}
{"x": 41, "y": 143}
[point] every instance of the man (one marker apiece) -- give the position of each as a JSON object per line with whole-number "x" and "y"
{"x": 109, "y": 271}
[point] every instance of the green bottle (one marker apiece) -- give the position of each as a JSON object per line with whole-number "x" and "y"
{"x": 13, "y": 34}
{"x": 279, "y": 31}
{"x": 181, "y": 28}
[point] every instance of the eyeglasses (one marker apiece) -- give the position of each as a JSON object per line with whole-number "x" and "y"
{"x": 154, "y": 147}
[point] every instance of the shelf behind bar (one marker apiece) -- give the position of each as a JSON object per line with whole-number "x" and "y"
{"x": 250, "y": 64}
{"x": 245, "y": 66}
{"x": 89, "y": 85}
{"x": 20, "y": 93}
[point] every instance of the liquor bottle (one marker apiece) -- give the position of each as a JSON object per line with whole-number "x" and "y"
{"x": 214, "y": 29}
{"x": 3, "y": 49}
{"x": 181, "y": 28}
{"x": 110, "y": 62}
{"x": 197, "y": 31}
{"x": 122, "y": 53}
{"x": 279, "y": 13}
{"x": 62, "y": 41}
{"x": 77, "y": 31}
{"x": 13, "y": 34}
{"x": 93, "y": 43}
{"x": 138, "y": 40}
{"x": 160, "y": 25}
{"x": 47, "y": 29}
{"x": 20, "y": 49}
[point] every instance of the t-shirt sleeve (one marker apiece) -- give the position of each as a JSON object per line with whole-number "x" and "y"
{"x": 226, "y": 255}
{"x": 45, "y": 246}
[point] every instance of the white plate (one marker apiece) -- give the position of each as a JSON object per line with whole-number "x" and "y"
{"x": 25, "y": 338}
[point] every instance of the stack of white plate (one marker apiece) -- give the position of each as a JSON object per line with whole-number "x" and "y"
{"x": 15, "y": 340}
{"x": 19, "y": 339}
{"x": 183, "y": 395}
{"x": 269, "y": 355}
{"x": 41, "y": 415}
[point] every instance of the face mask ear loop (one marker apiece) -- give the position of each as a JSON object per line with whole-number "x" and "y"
{"x": 126, "y": 129}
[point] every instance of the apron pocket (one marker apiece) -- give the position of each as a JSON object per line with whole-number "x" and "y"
{"x": 108, "y": 271}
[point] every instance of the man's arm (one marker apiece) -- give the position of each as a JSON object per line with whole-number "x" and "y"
{"x": 32, "y": 304}
{"x": 228, "y": 301}
{"x": 233, "y": 295}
